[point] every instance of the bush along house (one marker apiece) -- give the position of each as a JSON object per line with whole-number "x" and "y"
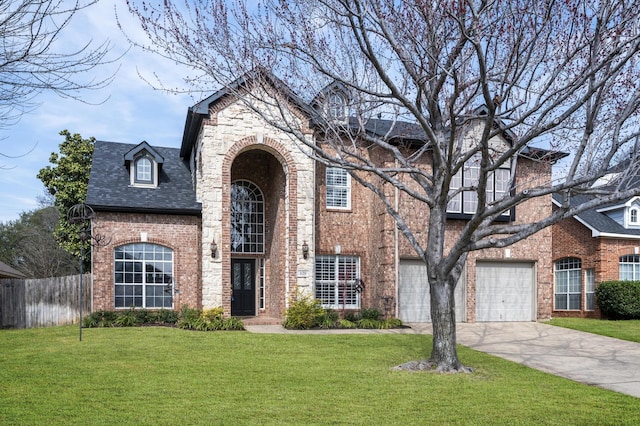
{"x": 240, "y": 217}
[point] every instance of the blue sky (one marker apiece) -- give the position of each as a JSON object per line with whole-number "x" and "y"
{"x": 132, "y": 111}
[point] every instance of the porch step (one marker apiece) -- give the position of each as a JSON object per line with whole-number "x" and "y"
{"x": 261, "y": 321}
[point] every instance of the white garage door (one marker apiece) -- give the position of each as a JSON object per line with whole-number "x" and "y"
{"x": 505, "y": 291}
{"x": 413, "y": 293}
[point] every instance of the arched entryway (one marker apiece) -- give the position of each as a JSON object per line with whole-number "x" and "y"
{"x": 257, "y": 225}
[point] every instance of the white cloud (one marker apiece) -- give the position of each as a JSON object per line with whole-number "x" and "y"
{"x": 132, "y": 111}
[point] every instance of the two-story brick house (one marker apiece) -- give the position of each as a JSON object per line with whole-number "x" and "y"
{"x": 242, "y": 217}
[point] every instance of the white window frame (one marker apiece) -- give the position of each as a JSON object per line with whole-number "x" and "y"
{"x": 466, "y": 202}
{"x": 590, "y": 289}
{"x": 336, "y": 107}
{"x": 567, "y": 289}
{"x": 143, "y": 276}
{"x": 629, "y": 267}
{"x": 338, "y": 189}
{"x": 633, "y": 218}
{"x": 336, "y": 279}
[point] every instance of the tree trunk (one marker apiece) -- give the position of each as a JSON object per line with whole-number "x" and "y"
{"x": 442, "y": 282}
{"x": 444, "y": 354}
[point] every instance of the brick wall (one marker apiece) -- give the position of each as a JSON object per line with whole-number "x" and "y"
{"x": 179, "y": 233}
{"x": 573, "y": 239}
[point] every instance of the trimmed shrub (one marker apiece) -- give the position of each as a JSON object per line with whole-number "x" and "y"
{"x": 370, "y": 314}
{"x": 303, "y": 313}
{"x": 368, "y": 323}
{"x": 619, "y": 299}
{"x": 127, "y": 319}
{"x": 208, "y": 320}
{"x": 100, "y": 319}
{"x": 328, "y": 319}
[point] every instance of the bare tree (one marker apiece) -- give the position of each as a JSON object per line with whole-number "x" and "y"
{"x": 33, "y": 59}
{"x": 563, "y": 75}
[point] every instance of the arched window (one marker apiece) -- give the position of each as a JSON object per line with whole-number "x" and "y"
{"x": 336, "y": 106}
{"x": 633, "y": 216}
{"x": 144, "y": 173}
{"x": 568, "y": 286}
{"x": 143, "y": 276}
{"x": 630, "y": 267}
{"x": 247, "y": 218}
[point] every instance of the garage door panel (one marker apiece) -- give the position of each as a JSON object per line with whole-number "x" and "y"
{"x": 504, "y": 291}
{"x": 414, "y": 299}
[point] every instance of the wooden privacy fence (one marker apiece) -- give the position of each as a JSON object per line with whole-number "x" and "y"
{"x": 30, "y": 303}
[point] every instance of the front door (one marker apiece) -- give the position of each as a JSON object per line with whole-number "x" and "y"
{"x": 243, "y": 295}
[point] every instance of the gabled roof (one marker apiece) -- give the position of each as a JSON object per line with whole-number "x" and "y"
{"x": 199, "y": 111}
{"x": 7, "y": 271}
{"x": 110, "y": 190}
{"x": 143, "y": 146}
{"x": 392, "y": 129}
{"x": 597, "y": 221}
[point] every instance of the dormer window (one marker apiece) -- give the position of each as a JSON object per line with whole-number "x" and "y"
{"x": 336, "y": 105}
{"x": 633, "y": 216}
{"x": 144, "y": 164}
{"x": 144, "y": 171}
{"x": 333, "y": 103}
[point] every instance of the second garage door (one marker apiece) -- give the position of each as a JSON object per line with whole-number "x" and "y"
{"x": 505, "y": 291}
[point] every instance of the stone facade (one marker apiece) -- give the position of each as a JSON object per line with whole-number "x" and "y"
{"x": 236, "y": 144}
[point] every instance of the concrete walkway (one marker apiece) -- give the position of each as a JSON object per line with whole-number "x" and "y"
{"x": 588, "y": 358}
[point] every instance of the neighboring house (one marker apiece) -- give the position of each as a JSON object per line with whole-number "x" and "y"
{"x": 7, "y": 271}
{"x": 601, "y": 244}
{"x": 240, "y": 217}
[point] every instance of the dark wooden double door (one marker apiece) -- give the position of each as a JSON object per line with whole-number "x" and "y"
{"x": 243, "y": 289}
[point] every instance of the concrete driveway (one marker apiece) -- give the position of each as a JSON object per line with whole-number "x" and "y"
{"x": 588, "y": 358}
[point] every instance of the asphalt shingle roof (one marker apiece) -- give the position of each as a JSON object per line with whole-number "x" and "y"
{"x": 598, "y": 221}
{"x": 110, "y": 189}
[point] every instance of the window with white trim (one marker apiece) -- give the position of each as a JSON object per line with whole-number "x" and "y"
{"x": 336, "y": 106}
{"x": 143, "y": 276}
{"x": 247, "y": 218}
{"x": 337, "y": 280}
{"x": 630, "y": 267}
{"x": 568, "y": 287}
{"x": 144, "y": 173}
{"x": 590, "y": 289}
{"x": 633, "y": 216}
{"x": 466, "y": 202}
{"x": 338, "y": 184}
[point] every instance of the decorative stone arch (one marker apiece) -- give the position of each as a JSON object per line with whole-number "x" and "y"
{"x": 284, "y": 157}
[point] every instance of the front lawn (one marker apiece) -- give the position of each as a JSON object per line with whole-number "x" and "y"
{"x": 162, "y": 376}
{"x": 623, "y": 329}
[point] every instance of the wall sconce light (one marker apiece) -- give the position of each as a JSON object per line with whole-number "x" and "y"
{"x": 305, "y": 250}
{"x": 214, "y": 249}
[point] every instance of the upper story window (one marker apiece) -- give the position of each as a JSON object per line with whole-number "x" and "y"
{"x": 247, "y": 218}
{"x": 144, "y": 171}
{"x": 336, "y": 106}
{"x": 634, "y": 220}
{"x": 466, "y": 202}
{"x": 338, "y": 185}
{"x": 144, "y": 164}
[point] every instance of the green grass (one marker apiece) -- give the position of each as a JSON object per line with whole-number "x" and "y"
{"x": 625, "y": 330}
{"x": 164, "y": 376}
